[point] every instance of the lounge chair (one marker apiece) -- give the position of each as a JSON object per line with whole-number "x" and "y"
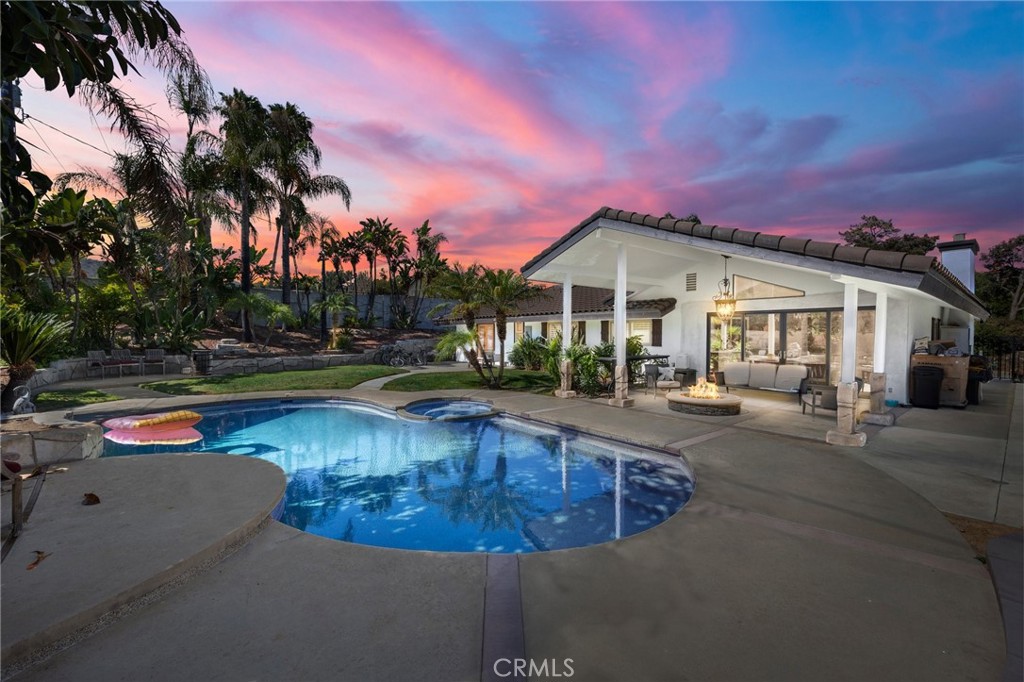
{"x": 124, "y": 357}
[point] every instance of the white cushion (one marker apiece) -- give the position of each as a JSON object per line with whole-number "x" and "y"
{"x": 666, "y": 373}
{"x": 737, "y": 373}
{"x": 788, "y": 377}
{"x": 762, "y": 375}
{"x": 668, "y": 384}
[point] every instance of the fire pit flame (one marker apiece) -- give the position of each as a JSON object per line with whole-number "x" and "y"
{"x": 704, "y": 390}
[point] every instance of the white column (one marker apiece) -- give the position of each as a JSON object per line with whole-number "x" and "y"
{"x": 620, "y": 307}
{"x": 849, "y": 366}
{"x": 881, "y": 324}
{"x": 566, "y": 312}
{"x": 771, "y": 334}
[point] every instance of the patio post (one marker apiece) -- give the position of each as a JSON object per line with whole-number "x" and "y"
{"x": 846, "y": 432}
{"x": 879, "y": 414}
{"x": 566, "y": 370}
{"x": 621, "y": 398}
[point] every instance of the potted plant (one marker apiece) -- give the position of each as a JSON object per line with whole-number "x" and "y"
{"x": 25, "y": 339}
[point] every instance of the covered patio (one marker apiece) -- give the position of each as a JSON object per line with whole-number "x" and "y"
{"x": 874, "y": 303}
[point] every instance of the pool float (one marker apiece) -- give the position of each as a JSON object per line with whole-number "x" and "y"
{"x": 166, "y": 421}
{"x": 182, "y": 436}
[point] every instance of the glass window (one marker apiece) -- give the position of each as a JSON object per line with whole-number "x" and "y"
{"x": 641, "y": 328}
{"x": 747, "y": 288}
{"x": 724, "y": 342}
{"x": 485, "y": 332}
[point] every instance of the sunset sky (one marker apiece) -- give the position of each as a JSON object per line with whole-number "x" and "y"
{"x": 506, "y": 124}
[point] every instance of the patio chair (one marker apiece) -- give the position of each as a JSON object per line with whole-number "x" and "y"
{"x": 155, "y": 356}
{"x": 820, "y": 396}
{"x": 96, "y": 360}
{"x": 124, "y": 358}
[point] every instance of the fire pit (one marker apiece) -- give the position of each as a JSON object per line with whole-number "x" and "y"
{"x": 704, "y": 398}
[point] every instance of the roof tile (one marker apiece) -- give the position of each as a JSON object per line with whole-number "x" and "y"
{"x": 723, "y": 234}
{"x": 850, "y": 254}
{"x": 821, "y": 249}
{"x": 915, "y": 263}
{"x": 767, "y": 241}
{"x": 890, "y": 260}
{"x": 793, "y": 245}
{"x": 651, "y": 221}
{"x": 683, "y": 227}
{"x": 703, "y": 231}
{"x": 745, "y": 237}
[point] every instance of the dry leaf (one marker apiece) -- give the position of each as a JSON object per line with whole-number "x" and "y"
{"x": 91, "y": 498}
{"x": 39, "y": 557}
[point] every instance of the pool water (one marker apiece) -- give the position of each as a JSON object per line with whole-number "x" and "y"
{"x": 449, "y": 409}
{"x": 361, "y": 474}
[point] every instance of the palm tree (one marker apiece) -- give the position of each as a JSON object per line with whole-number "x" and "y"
{"x": 244, "y": 153}
{"x": 372, "y": 236}
{"x": 464, "y": 286}
{"x": 293, "y": 158}
{"x": 323, "y": 233}
{"x": 427, "y": 267}
{"x": 351, "y": 249}
{"x": 503, "y": 291}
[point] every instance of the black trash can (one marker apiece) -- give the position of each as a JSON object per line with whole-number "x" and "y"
{"x": 927, "y": 387}
{"x": 201, "y": 361}
{"x": 686, "y": 376}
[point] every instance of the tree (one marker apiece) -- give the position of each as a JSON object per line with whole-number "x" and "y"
{"x": 427, "y": 267}
{"x": 1005, "y": 277}
{"x": 874, "y": 233}
{"x": 243, "y": 148}
{"x": 84, "y": 45}
{"x": 464, "y": 286}
{"x": 351, "y": 249}
{"x": 503, "y": 291}
{"x": 293, "y": 157}
{"x": 373, "y": 233}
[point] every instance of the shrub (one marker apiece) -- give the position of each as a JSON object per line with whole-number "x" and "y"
{"x": 528, "y": 353}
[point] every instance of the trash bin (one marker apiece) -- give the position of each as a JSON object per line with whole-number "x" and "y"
{"x": 927, "y": 387}
{"x": 201, "y": 361}
{"x": 686, "y": 376}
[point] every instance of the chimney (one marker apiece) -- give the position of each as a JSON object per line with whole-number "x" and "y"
{"x": 957, "y": 256}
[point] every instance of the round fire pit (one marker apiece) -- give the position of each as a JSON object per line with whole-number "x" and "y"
{"x": 722, "y": 406}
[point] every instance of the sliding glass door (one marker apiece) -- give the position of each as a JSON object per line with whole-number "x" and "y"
{"x": 812, "y": 338}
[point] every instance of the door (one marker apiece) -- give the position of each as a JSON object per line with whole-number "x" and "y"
{"x": 807, "y": 342}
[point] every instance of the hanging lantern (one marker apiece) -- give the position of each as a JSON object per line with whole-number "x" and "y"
{"x": 725, "y": 302}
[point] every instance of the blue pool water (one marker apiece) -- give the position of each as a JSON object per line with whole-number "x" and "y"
{"x": 449, "y": 409}
{"x": 496, "y": 484}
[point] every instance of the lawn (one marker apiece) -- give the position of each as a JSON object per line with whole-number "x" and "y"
{"x": 330, "y": 378}
{"x": 62, "y": 400}
{"x": 514, "y": 380}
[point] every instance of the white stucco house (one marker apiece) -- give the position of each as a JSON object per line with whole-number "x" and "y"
{"x": 845, "y": 312}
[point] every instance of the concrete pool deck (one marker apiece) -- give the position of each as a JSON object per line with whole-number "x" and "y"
{"x": 794, "y": 560}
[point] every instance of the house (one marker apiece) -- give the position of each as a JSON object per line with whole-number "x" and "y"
{"x": 843, "y": 311}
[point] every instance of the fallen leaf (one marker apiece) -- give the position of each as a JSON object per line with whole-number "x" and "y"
{"x": 39, "y": 557}
{"x": 57, "y": 470}
{"x": 91, "y": 498}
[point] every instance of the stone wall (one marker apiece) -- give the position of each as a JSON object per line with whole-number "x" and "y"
{"x": 32, "y": 444}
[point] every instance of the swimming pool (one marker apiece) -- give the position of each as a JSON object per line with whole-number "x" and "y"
{"x": 362, "y": 474}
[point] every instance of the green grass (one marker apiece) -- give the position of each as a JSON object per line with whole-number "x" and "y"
{"x": 330, "y": 378}
{"x": 62, "y": 400}
{"x": 514, "y": 380}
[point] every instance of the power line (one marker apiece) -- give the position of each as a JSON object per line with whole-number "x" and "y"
{"x": 76, "y": 139}
{"x": 46, "y": 144}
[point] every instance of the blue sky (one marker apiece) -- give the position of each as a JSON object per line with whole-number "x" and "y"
{"x": 507, "y": 123}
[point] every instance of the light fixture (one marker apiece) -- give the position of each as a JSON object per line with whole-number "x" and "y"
{"x": 725, "y": 302}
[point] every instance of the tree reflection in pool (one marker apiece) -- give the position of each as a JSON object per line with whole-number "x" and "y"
{"x": 497, "y": 484}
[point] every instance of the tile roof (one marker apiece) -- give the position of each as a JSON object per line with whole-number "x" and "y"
{"x": 856, "y": 255}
